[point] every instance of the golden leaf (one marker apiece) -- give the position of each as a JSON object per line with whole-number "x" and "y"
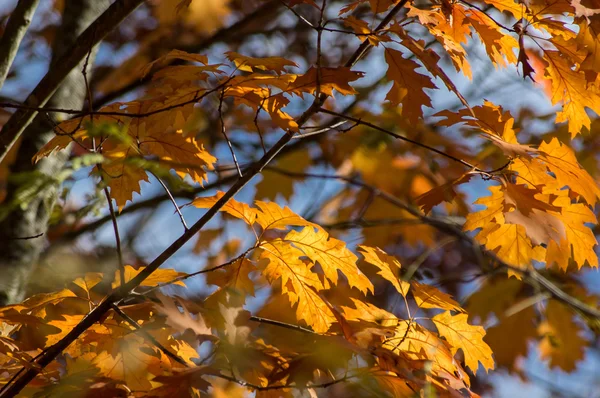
{"x": 430, "y": 297}
{"x": 232, "y": 207}
{"x": 389, "y": 267}
{"x": 468, "y": 338}
{"x": 157, "y": 277}
{"x": 331, "y": 254}
{"x": 273, "y": 216}
{"x": 298, "y": 282}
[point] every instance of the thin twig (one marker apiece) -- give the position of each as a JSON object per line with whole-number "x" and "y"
{"x": 26, "y": 237}
{"x": 300, "y": 17}
{"x": 117, "y": 237}
{"x": 282, "y": 324}
{"x": 172, "y": 199}
{"x": 224, "y": 133}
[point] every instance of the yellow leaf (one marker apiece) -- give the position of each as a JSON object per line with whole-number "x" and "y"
{"x": 511, "y": 244}
{"x": 468, "y": 338}
{"x": 232, "y": 207}
{"x": 157, "y": 277}
{"x": 499, "y": 46}
{"x": 65, "y": 325}
{"x": 249, "y": 64}
{"x": 570, "y": 87}
{"x": 273, "y": 216}
{"x": 368, "y": 312}
{"x": 561, "y": 161}
{"x": 90, "y": 280}
{"x": 298, "y": 282}
{"x": 493, "y": 214}
{"x": 579, "y": 241}
{"x": 430, "y": 297}
{"x": 389, "y": 267}
{"x": 331, "y": 254}
{"x": 417, "y": 343}
{"x": 561, "y": 340}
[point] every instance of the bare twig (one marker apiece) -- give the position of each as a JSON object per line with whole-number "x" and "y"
{"x": 224, "y": 133}
{"x": 117, "y": 237}
{"x": 282, "y": 324}
{"x": 391, "y": 133}
{"x": 27, "y": 237}
{"x": 172, "y": 199}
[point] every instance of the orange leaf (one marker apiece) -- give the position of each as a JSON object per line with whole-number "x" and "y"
{"x": 408, "y": 85}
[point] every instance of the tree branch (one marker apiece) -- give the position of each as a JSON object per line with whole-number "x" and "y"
{"x": 15, "y": 30}
{"x": 59, "y": 70}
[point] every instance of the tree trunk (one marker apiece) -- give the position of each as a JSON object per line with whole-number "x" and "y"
{"x": 18, "y": 257}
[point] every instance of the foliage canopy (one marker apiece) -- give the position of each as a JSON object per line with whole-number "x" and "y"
{"x": 389, "y": 283}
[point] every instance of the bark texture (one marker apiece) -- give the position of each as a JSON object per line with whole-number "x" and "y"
{"x": 19, "y": 257}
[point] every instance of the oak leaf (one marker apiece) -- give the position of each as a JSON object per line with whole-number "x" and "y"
{"x": 468, "y": 338}
{"x": 389, "y": 267}
{"x": 430, "y": 297}
{"x": 156, "y": 278}
{"x": 408, "y": 85}
{"x": 331, "y": 254}
{"x": 298, "y": 282}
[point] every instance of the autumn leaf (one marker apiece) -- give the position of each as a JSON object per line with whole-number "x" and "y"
{"x": 561, "y": 340}
{"x": 273, "y": 216}
{"x": 408, "y": 85}
{"x": 232, "y": 207}
{"x": 468, "y": 338}
{"x": 329, "y": 79}
{"x": 298, "y": 282}
{"x": 250, "y": 64}
{"x": 569, "y": 87}
{"x": 389, "y": 267}
{"x": 561, "y": 161}
{"x": 331, "y": 254}
{"x": 443, "y": 193}
{"x": 430, "y": 297}
{"x": 131, "y": 361}
{"x": 156, "y": 278}
{"x": 181, "y": 321}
